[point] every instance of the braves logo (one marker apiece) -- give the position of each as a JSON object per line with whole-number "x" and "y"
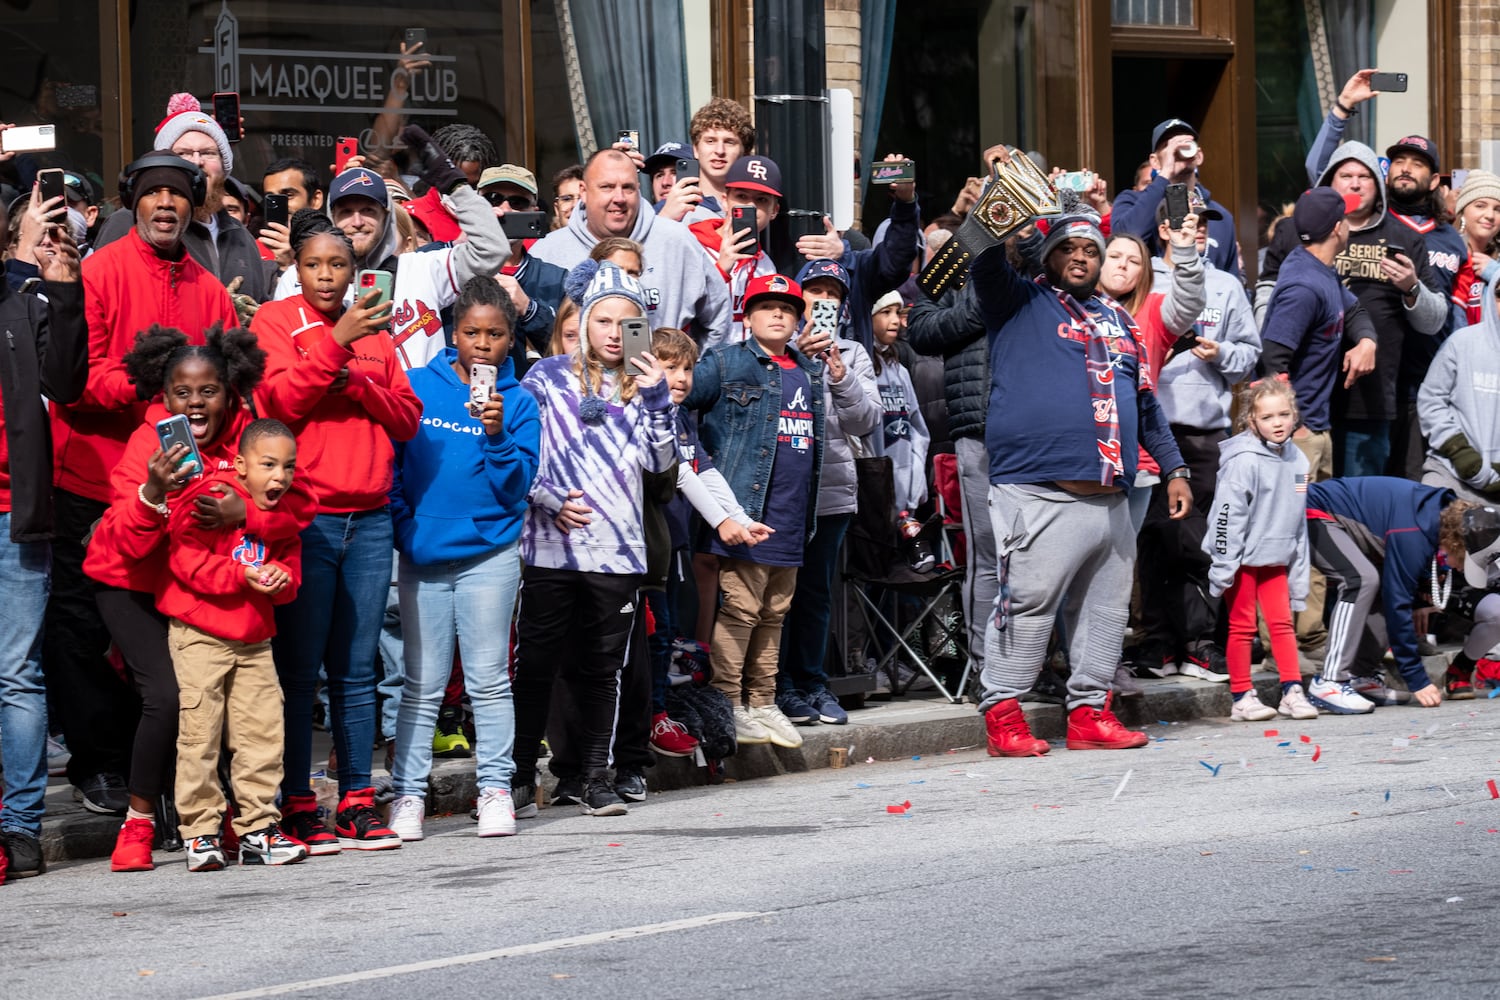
{"x": 414, "y": 319}
{"x": 363, "y": 179}
{"x": 250, "y": 551}
{"x": 756, "y": 169}
{"x": 776, "y": 283}
{"x": 1105, "y": 411}
{"x": 1109, "y": 450}
{"x": 1105, "y": 375}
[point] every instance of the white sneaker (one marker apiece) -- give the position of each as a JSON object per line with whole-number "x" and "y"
{"x": 747, "y": 728}
{"x": 497, "y": 818}
{"x": 407, "y": 813}
{"x": 1249, "y": 708}
{"x": 1337, "y": 697}
{"x": 57, "y": 758}
{"x": 1294, "y": 704}
{"x": 778, "y": 727}
{"x": 1374, "y": 689}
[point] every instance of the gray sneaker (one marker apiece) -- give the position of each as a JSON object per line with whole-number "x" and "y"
{"x": 1125, "y": 684}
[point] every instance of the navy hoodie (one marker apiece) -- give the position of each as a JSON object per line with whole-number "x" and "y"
{"x": 1404, "y": 515}
{"x": 458, "y": 492}
{"x": 1306, "y": 316}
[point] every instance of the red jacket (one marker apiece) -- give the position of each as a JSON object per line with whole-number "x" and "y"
{"x": 344, "y": 452}
{"x": 205, "y": 585}
{"x": 127, "y": 288}
{"x": 126, "y": 551}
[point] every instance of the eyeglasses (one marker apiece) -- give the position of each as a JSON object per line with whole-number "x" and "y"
{"x": 565, "y": 199}
{"x": 198, "y": 154}
{"x": 519, "y": 202}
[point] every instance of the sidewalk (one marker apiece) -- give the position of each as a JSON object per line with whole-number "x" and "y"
{"x": 903, "y": 727}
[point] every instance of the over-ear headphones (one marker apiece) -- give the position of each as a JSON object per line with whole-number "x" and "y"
{"x": 197, "y": 181}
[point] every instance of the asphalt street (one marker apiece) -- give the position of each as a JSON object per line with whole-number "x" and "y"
{"x": 1218, "y": 861}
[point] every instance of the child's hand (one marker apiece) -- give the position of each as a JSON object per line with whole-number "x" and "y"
{"x": 731, "y": 532}
{"x": 270, "y": 579}
{"x": 493, "y": 414}
{"x": 648, "y": 370}
{"x": 759, "y": 532}
{"x": 573, "y": 514}
{"x": 163, "y": 475}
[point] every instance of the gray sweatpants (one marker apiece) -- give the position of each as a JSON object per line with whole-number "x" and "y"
{"x": 1485, "y": 635}
{"x": 1356, "y": 630}
{"x": 980, "y": 582}
{"x": 1060, "y": 548}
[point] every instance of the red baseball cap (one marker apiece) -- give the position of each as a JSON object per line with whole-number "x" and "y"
{"x": 434, "y": 217}
{"x": 774, "y": 286}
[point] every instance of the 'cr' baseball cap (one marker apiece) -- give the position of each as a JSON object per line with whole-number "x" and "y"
{"x": 755, "y": 173}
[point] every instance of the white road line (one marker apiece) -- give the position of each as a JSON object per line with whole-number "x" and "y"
{"x": 517, "y": 951}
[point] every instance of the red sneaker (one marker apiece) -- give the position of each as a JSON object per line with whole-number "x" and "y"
{"x": 1009, "y": 735}
{"x": 358, "y": 825}
{"x": 1092, "y": 728}
{"x": 302, "y": 820}
{"x": 671, "y": 738}
{"x": 1486, "y": 674}
{"x": 133, "y": 847}
{"x": 1458, "y": 686}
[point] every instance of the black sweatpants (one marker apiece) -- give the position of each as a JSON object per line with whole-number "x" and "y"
{"x": 1173, "y": 568}
{"x": 631, "y": 750}
{"x": 99, "y": 709}
{"x": 598, "y": 611}
{"x": 140, "y": 632}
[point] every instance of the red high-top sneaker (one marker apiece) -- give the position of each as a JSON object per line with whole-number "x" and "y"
{"x": 1009, "y": 735}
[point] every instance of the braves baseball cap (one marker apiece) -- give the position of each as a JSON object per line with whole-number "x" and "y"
{"x": 362, "y": 182}
{"x": 1319, "y": 210}
{"x": 508, "y": 173}
{"x": 755, "y": 173}
{"x": 1169, "y": 128}
{"x": 1482, "y": 540}
{"x": 776, "y": 287}
{"x": 667, "y": 155}
{"x": 1419, "y": 144}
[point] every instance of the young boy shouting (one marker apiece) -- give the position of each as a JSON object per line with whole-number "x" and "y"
{"x": 219, "y": 593}
{"x": 763, "y": 424}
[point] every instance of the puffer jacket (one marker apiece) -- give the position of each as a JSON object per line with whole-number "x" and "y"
{"x": 852, "y": 409}
{"x": 954, "y": 330}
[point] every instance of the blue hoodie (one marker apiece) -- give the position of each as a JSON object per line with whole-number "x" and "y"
{"x": 459, "y": 492}
{"x": 1306, "y": 314}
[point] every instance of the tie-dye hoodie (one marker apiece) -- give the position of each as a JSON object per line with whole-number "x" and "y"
{"x": 604, "y": 460}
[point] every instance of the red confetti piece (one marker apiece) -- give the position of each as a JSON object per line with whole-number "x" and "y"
{"x": 1494, "y": 792}
{"x": 611, "y": 845}
{"x": 898, "y": 810}
{"x": 1272, "y": 732}
{"x": 1317, "y": 752}
{"x": 1305, "y": 739}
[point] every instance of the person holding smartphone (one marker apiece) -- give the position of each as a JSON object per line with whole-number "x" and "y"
{"x": 753, "y": 184}
{"x": 333, "y": 376}
{"x": 535, "y": 286}
{"x": 459, "y": 576}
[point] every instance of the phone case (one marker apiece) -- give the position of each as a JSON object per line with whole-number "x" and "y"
{"x": 227, "y": 114}
{"x": 635, "y": 338}
{"x": 176, "y": 430}
{"x": 51, "y": 183}
{"x": 481, "y": 383}
{"x": 348, "y": 147}
{"x": 825, "y": 316}
{"x": 365, "y": 280}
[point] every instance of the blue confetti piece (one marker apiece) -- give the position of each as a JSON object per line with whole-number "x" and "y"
{"x": 1308, "y": 868}
{"x": 916, "y": 782}
{"x": 1494, "y": 692}
{"x": 861, "y": 784}
{"x": 1285, "y": 743}
{"x": 1212, "y": 767}
{"x": 916, "y": 758}
{"x": 1162, "y": 722}
{"x": 1346, "y": 869}
{"x": 1388, "y": 795}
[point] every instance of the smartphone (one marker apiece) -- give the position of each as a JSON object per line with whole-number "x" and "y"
{"x": 274, "y": 209}
{"x": 481, "y": 383}
{"x": 174, "y": 431}
{"x": 803, "y": 223}
{"x": 28, "y": 139}
{"x": 347, "y": 148}
{"x": 1177, "y": 205}
{"x": 227, "y": 114}
{"x": 742, "y": 219}
{"x": 687, "y": 168}
{"x": 524, "y": 225}
{"x": 893, "y": 172}
{"x": 51, "y": 184}
{"x": 368, "y": 279}
{"x": 1077, "y": 180}
{"x": 635, "y": 339}
{"x": 1388, "y": 83}
{"x": 825, "y": 316}
{"x": 1392, "y": 249}
{"x": 415, "y": 36}
{"x": 1460, "y": 175}
{"x": 629, "y": 136}
{"x": 1182, "y": 345}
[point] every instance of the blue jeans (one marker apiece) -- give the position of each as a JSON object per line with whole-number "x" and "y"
{"x": 804, "y": 636}
{"x": 1367, "y": 447}
{"x": 335, "y": 621}
{"x": 473, "y": 601}
{"x": 25, "y": 580}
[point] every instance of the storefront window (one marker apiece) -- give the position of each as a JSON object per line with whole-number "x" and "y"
{"x": 51, "y": 57}
{"x": 308, "y": 74}
{"x": 1154, "y": 13}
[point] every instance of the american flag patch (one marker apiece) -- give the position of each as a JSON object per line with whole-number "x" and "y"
{"x": 1301, "y": 480}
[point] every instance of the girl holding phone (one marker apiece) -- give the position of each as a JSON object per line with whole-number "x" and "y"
{"x": 333, "y": 377}
{"x": 457, "y": 503}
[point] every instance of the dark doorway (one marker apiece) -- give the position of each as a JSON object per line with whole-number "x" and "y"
{"x": 1150, "y": 90}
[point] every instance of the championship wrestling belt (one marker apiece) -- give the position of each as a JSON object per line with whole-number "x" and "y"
{"x": 1014, "y": 194}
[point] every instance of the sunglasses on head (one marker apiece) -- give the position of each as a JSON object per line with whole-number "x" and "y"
{"x": 519, "y": 202}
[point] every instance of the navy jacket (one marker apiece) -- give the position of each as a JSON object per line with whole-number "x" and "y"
{"x": 1135, "y": 212}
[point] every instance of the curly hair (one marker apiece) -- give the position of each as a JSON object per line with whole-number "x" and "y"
{"x": 467, "y": 144}
{"x": 234, "y": 353}
{"x": 1271, "y": 385}
{"x": 723, "y": 113}
{"x": 309, "y": 222}
{"x": 482, "y": 290}
{"x": 1451, "y": 528}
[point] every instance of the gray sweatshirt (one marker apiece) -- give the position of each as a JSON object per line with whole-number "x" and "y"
{"x": 1197, "y": 393}
{"x": 1259, "y": 515}
{"x": 1461, "y": 395}
{"x": 683, "y": 288}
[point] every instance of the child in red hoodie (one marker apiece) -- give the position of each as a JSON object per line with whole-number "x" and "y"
{"x": 220, "y": 590}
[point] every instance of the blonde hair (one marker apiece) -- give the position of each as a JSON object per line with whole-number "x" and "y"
{"x": 1252, "y": 394}
{"x": 406, "y": 229}
{"x": 1142, "y": 290}
{"x": 1451, "y": 528}
{"x": 566, "y": 311}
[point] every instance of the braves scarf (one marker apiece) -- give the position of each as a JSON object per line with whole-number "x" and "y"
{"x": 1104, "y": 354}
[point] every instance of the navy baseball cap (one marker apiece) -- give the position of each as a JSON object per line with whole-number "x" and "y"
{"x": 1169, "y": 128}
{"x": 1419, "y": 144}
{"x": 1319, "y": 210}
{"x": 667, "y": 155}
{"x": 359, "y": 181}
{"x": 824, "y": 268}
{"x": 755, "y": 172}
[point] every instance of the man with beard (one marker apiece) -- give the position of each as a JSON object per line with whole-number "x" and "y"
{"x": 146, "y": 277}
{"x": 214, "y": 239}
{"x": 1070, "y": 404}
{"x": 1411, "y": 185}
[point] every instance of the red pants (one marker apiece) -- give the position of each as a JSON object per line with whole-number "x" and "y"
{"x": 1264, "y": 586}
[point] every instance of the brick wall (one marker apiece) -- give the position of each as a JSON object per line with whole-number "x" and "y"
{"x": 1479, "y": 78}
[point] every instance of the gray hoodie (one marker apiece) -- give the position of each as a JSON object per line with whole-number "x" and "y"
{"x": 1259, "y": 516}
{"x": 683, "y": 288}
{"x": 1461, "y": 395}
{"x": 1197, "y": 393}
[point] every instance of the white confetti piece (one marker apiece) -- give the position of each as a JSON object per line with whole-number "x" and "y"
{"x": 1123, "y": 782}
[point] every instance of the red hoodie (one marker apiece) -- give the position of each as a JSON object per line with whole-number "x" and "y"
{"x": 205, "y": 585}
{"x": 127, "y": 288}
{"x": 344, "y": 452}
{"x": 126, "y": 550}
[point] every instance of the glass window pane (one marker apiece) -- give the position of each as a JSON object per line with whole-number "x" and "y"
{"x": 51, "y": 57}
{"x": 1153, "y": 13}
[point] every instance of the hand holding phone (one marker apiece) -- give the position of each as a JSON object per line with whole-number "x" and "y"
{"x": 176, "y": 430}
{"x": 1177, "y": 205}
{"x": 347, "y": 149}
{"x": 635, "y": 339}
{"x": 50, "y": 185}
{"x": 482, "y": 379}
{"x": 628, "y": 137}
{"x": 743, "y": 223}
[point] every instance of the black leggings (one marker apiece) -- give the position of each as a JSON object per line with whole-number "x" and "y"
{"x": 140, "y": 632}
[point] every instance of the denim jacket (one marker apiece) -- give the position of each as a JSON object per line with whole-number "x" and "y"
{"x": 737, "y": 387}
